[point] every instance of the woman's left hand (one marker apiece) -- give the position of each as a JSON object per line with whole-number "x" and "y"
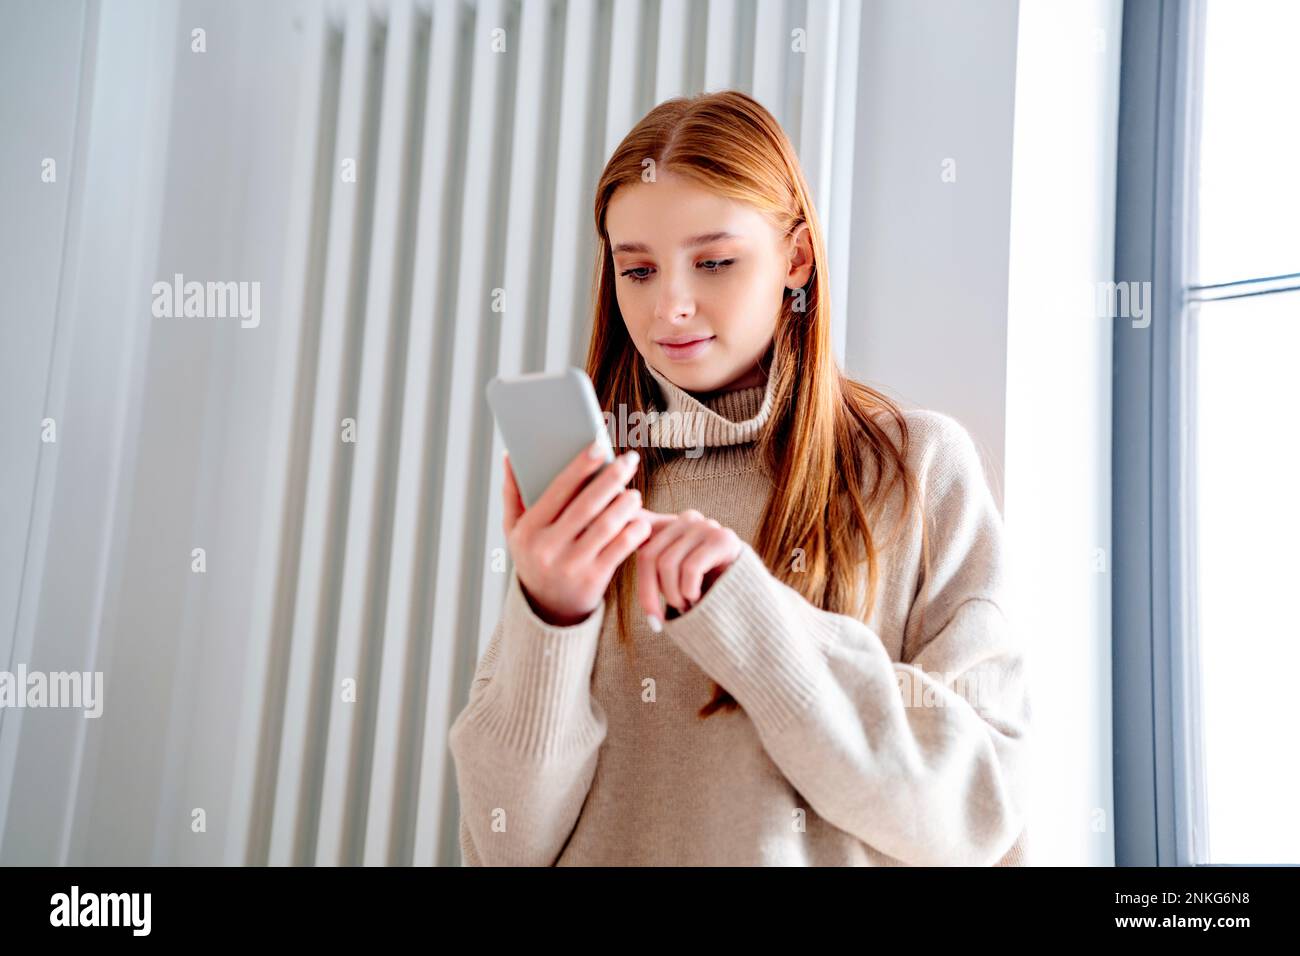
{"x": 683, "y": 556}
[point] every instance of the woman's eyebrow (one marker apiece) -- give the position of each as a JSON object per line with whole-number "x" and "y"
{"x": 701, "y": 240}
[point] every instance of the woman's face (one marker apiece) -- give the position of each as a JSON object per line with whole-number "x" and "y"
{"x": 692, "y": 265}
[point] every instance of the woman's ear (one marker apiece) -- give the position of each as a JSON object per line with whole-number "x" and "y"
{"x": 801, "y": 258}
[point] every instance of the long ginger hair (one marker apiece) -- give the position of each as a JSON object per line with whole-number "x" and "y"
{"x": 825, "y": 429}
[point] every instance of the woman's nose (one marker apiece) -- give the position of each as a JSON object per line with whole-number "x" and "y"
{"x": 676, "y": 304}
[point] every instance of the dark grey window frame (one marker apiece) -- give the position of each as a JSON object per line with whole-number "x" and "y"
{"x": 1158, "y": 770}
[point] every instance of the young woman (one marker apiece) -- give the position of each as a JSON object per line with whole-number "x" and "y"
{"x": 785, "y": 642}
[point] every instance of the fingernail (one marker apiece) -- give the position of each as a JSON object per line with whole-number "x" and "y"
{"x": 656, "y": 625}
{"x": 632, "y": 458}
{"x": 596, "y": 450}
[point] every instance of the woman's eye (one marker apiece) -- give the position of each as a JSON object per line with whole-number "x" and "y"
{"x": 708, "y": 265}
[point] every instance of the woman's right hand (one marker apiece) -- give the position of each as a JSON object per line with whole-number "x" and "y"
{"x": 568, "y": 545}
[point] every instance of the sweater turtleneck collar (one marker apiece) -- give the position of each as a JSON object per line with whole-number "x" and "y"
{"x": 734, "y": 417}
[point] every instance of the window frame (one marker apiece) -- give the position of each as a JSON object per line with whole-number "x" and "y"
{"x": 1158, "y": 759}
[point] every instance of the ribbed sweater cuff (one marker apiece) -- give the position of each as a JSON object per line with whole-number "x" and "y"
{"x": 749, "y": 632}
{"x": 538, "y": 702}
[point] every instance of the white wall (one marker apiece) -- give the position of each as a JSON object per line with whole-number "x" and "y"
{"x": 1058, "y": 464}
{"x": 40, "y": 72}
{"x": 178, "y": 164}
{"x": 928, "y": 285}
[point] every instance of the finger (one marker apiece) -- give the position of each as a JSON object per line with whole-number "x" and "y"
{"x": 513, "y": 501}
{"x": 625, "y": 542}
{"x": 564, "y": 485}
{"x": 595, "y": 497}
{"x": 670, "y": 563}
{"x": 647, "y": 570}
{"x": 712, "y": 549}
{"x": 625, "y": 507}
{"x": 657, "y": 519}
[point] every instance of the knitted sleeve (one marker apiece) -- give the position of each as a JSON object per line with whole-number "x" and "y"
{"x": 921, "y": 758}
{"x": 526, "y": 743}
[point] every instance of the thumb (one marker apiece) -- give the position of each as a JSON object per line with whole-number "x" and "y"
{"x": 513, "y": 501}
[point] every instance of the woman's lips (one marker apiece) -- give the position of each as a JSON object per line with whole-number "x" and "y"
{"x": 680, "y": 353}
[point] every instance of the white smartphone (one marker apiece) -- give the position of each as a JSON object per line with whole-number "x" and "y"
{"x": 546, "y": 419}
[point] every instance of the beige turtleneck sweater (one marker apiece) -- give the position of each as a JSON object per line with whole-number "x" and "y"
{"x": 856, "y": 743}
